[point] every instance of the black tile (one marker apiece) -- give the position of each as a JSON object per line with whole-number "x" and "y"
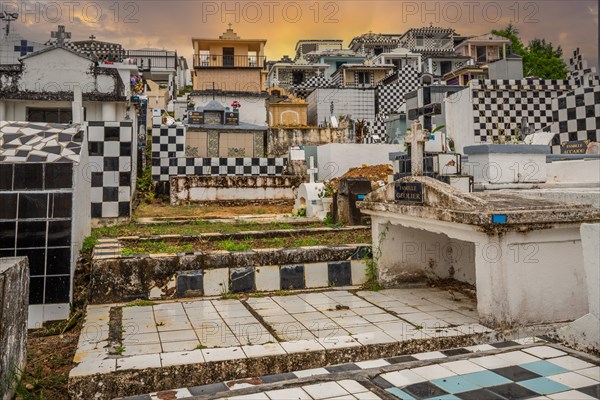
{"x": 31, "y": 234}
{"x": 7, "y": 235}
{"x": 424, "y": 390}
{"x": 479, "y": 394}
{"x": 57, "y": 289}
{"x": 291, "y": 277}
{"x": 7, "y": 253}
{"x": 58, "y": 262}
{"x": 110, "y": 194}
{"x": 37, "y": 260}
{"x": 189, "y": 281}
{"x": 400, "y": 359}
{"x": 362, "y": 252}
{"x": 59, "y": 176}
{"x": 59, "y": 233}
{"x": 124, "y": 209}
{"x": 501, "y": 345}
{"x": 208, "y": 389}
{"x": 124, "y": 178}
{"x": 512, "y": 391}
{"x": 96, "y": 148}
{"x": 33, "y": 205}
{"x": 382, "y": 383}
{"x": 8, "y": 205}
{"x": 29, "y": 176}
{"x": 515, "y": 373}
{"x": 111, "y": 163}
{"x": 339, "y": 273}
{"x": 455, "y": 352}
{"x": 593, "y": 391}
{"x": 112, "y": 134}
{"x": 36, "y": 290}
{"x": 96, "y": 210}
{"x": 278, "y": 377}
{"x": 6, "y": 173}
{"x": 97, "y": 179}
{"x": 342, "y": 368}
{"x": 125, "y": 149}
{"x": 242, "y": 280}
{"x": 61, "y": 205}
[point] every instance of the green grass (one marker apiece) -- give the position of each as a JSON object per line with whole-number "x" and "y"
{"x": 150, "y": 247}
{"x": 139, "y": 303}
{"x": 120, "y": 350}
{"x": 230, "y": 245}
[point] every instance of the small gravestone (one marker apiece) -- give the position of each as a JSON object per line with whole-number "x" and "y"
{"x": 574, "y": 147}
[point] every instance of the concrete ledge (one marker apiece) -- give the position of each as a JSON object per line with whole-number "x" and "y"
{"x": 507, "y": 149}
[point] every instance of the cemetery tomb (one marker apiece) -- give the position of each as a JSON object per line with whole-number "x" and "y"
{"x": 42, "y": 188}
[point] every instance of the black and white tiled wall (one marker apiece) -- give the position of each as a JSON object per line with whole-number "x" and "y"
{"x": 214, "y": 282}
{"x": 168, "y": 159}
{"x": 112, "y": 147}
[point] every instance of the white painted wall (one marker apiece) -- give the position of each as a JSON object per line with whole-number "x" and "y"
{"x": 360, "y": 104}
{"x": 590, "y": 240}
{"x": 459, "y": 119}
{"x": 242, "y": 193}
{"x": 335, "y": 159}
{"x": 502, "y": 168}
{"x": 574, "y": 171}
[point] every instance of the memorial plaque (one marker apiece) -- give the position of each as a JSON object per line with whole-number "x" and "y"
{"x": 232, "y": 118}
{"x": 575, "y": 147}
{"x": 408, "y": 192}
{"x": 196, "y": 118}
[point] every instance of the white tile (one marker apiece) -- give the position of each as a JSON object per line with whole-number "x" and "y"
{"x": 222, "y": 354}
{"x": 301, "y": 346}
{"x": 490, "y": 362}
{"x": 181, "y": 358}
{"x": 570, "y": 362}
{"x": 372, "y": 364}
{"x": 142, "y": 361}
{"x": 138, "y": 349}
{"x": 368, "y": 395}
{"x": 288, "y": 394}
{"x": 517, "y": 357}
{"x": 480, "y": 347}
{"x": 429, "y": 355}
{"x": 263, "y": 350}
{"x": 94, "y": 366}
{"x": 573, "y": 380}
{"x": 351, "y": 386}
{"x": 337, "y": 342}
{"x": 378, "y": 337}
{"x": 462, "y": 367}
{"x": 544, "y": 352}
{"x": 593, "y": 372}
{"x": 435, "y": 371}
{"x": 267, "y": 278}
{"x": 253, "y": 396}
{"x": 178, "y": 336}
{"x": 358, "y": 269}
{"x": 402, "y": 378}
{"x": 316, "y": 275}
{"x": 325, "y": 390}
{"x": 216, "y": 281}
{"x": 311, "y": 372}
{"x": 569, "y": 395}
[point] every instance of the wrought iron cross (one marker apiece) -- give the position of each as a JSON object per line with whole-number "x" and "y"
{"x": 61, "y": 35}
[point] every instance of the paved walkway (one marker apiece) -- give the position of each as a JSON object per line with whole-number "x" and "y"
{"x": 522, "y": 369}
{"x": 199, "y": 331}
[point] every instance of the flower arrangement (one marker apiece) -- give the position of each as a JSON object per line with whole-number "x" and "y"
{"x": 137, "y": 84}
{"x": 235, "y": 105}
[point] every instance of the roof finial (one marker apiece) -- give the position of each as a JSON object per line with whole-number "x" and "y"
{"x": 230, "y": 26}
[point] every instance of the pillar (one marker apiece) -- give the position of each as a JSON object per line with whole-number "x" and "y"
{"x": 109, "y": 111}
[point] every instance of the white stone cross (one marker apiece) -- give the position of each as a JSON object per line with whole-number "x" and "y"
{"x": 417, "y": 138}
{"x": 312, "y": 171}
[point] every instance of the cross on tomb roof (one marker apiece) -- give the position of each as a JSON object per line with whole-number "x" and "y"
{"x": 60, "y": 35}
{"x": 417, "y": 138}
{"x": 312, "y": 171}
{"x": 92, "y": 37}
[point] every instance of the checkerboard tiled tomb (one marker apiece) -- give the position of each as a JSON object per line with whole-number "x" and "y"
{"x": 169, "y": 159}
{"x": 42, "y": 186}
{"x": 112, "y": 149}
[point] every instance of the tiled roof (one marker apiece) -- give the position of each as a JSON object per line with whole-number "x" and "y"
{"x": 39, "y": 142}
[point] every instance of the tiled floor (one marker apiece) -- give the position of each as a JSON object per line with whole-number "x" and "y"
{"x": 540, "y": 372}
{"x": 171, "y": 333}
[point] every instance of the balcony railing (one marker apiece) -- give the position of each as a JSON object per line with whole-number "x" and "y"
{"x": 227, "y": 61}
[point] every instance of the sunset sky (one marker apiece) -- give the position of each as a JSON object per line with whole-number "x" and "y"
{"x": 172, "y": 24}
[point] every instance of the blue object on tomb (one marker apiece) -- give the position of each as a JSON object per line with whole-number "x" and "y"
{"x": 498, "y": 219}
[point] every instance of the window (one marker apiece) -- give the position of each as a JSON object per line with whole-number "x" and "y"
{"x": 297, "y": 77}
{"x": 377, "y": 50}
{"x": 362, "y": 77}
{"x": 55, "y": 115}
{"x": 420, "y": 40}
{"x": 228, "y": 57}
{"x": 445, "y": 66}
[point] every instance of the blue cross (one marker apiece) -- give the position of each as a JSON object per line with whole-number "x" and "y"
{"x": 23, "y": 48}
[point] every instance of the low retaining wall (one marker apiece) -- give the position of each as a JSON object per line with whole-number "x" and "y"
{"x": 279, "y": 140}
{"x": 14, "y": 300}
{"x": 219, "y": 188}
{"x": 116, "y": 279}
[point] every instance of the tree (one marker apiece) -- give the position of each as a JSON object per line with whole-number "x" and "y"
{"x": 540, "y": 58}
